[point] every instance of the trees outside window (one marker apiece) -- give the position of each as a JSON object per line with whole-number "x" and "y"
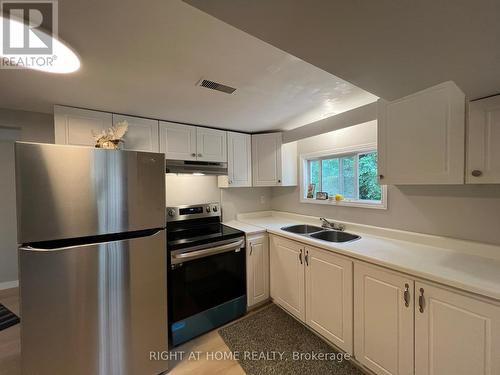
{"x": 353, "y": 175}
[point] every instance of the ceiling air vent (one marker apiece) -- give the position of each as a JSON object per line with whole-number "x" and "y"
{"x": 216, "y": 86}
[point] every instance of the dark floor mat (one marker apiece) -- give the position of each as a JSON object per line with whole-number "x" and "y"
{"x": 7, "y": 318}
{"x": 259, "y": 338}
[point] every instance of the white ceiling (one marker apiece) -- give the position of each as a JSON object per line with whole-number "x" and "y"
{"x": 145, "y": 58}
{"x": 390, "y": 48}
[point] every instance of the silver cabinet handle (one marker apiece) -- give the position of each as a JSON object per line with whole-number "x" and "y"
{"x": 199, "y": 155}
{"x": 193, "y": 154}
{"x": 300, "y": 256}
{"x": 307, "y": 258}
{"x": 407, "y": 295}
{"x": 251, "y": 248}
{"x": 421, "y": 301}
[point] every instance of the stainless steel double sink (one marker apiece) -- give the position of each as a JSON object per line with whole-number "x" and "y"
{"x": 320, "y": 233}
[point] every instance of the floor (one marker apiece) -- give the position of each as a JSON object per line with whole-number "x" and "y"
{"x": 10, "y": 346}
{"x": 207, "y": 346}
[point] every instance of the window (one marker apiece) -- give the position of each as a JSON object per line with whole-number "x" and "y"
{"x": 351, "y": 173}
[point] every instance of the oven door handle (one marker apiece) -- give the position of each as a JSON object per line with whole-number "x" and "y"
{"x": 185, "y": 257}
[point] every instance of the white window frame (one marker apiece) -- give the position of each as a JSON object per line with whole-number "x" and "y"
{"x": 338, "y": 153}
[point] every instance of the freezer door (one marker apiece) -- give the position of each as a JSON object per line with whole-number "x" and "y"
{"x": 72, "y": 191}
{"x": 95, "y": 309}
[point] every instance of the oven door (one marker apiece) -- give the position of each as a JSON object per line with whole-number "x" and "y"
{"x": 207, "y": 287}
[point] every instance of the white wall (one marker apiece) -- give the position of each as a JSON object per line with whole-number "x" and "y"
{"x": 240, "y": 200}
{"x": 191, "y": 189}
{"x": 34, "y": 126}
{"x": 185, "y": 189}
{"x": 15, "y": 125}
{"x": 462, "y": 211}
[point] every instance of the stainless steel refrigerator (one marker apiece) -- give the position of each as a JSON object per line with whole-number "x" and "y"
{"x": 92, "y": 257}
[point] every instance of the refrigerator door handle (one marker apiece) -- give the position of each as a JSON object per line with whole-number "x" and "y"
{"x": 38, "y": 249}
{"x": 97, "y": 240}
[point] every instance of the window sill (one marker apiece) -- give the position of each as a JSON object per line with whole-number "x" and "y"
{"x": 347, "y": 203}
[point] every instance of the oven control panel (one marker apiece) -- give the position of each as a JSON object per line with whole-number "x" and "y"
{"x": 194, "y": 211}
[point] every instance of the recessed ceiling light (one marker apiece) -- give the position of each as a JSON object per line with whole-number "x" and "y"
{"x": 62, "y": 60}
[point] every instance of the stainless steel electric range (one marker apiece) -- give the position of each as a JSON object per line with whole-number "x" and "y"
{"x": 206, "y": 271}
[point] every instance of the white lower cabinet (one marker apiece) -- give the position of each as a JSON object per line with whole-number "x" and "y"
{"x": 329, "y": 296}
{"x": 383, "y": 320}
{"x": 287, "y": 275}
{"x": 455, "y": 334}
{"x": 402, "y": 326}
{"x": 315, "y": 285}
{"x": 257, "y": 269}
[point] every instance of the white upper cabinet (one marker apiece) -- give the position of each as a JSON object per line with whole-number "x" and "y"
{"x": 421, "y": 137}
{"x": 177, "y": 142}
{"x": 186, "y": 142}
{"x": 274, "y": 163}
{"x": 483, "y": 142}
{"x": 383, "y": 320}
{"x": 455, "y": 334}
{"x": 74, "y": 126}
{"x": 239, "y": 161}
{"x": 142, "y": 134}
{"x": 211, "y": 145}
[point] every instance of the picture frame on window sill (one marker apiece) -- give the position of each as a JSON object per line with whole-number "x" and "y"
{"x": 310, "y": 190}
{"x": 322, "y": 196}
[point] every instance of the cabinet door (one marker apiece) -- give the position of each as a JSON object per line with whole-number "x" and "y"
{"x": 142, "y": 134}
{"x": 383, "y": 321}
{"x": 74, "y": 126}
{"x": 421, "y": 137}
{"x": 329, "y": 296}
{"x": 483, "y": 138}
{"x": 287, "y": 275}
{"x": 177, "y": 142}
{"x": 211, "y": 145}
{"x": 289, "y": 164}
{"x": 257, "y": 269}
{"x": 455, "y": 334}
{"x": 239, "y": 159}
{"x": 266, "y": 159}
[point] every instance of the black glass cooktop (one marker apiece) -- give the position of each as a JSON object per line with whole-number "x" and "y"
{"x": 196, "y": 232}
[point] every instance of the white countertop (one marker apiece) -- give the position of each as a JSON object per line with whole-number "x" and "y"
{"x": 466, "y": 265}
{"x": 244, "y": 227}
